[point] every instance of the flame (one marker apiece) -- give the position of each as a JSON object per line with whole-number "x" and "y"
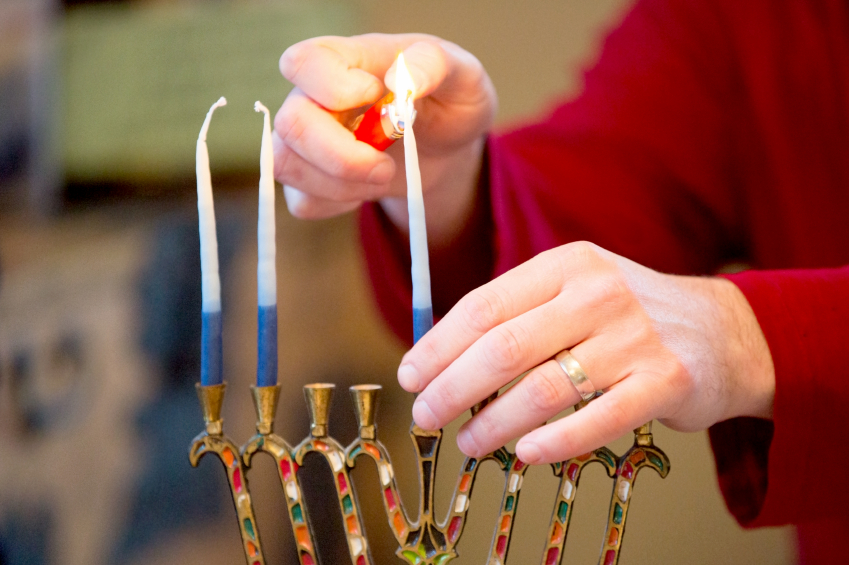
{"x": 405, "y": 88}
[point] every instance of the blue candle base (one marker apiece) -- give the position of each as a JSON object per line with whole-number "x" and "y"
{"x": 266, "y": 366}
{"x": 211, "y": 371}
{"x": 422, "y": 322}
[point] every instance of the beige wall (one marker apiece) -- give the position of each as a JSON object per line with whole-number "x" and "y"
{"x": 532, "y": 50}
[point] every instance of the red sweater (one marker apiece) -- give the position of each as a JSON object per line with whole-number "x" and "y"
{"x": 710, "y": 131}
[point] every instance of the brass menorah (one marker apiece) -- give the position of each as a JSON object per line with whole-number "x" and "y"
{"x": 425, "y": 541}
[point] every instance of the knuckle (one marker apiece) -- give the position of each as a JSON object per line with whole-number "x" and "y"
{"x": 613, "y": 415}
{"x": 445, "y": 398}
{"x": 286, "y": 169}
{"x": 430, "y": 352}
{"x": 289, "y": 125}
{"x": 583, "y": 251}
{"x": 337, "y": 98}
{"x": 679, "y": 379}
{"x": 503, "y": 349}
{"x": 482, "y": 310}
{"x": 343, "y": 168}
{"x": 484, "y": 430}
{"x": 611, "y": 288}
{"x": 550, "y": 267}
{"x": 545, "y": 392}
{"x": 580, "y": 256}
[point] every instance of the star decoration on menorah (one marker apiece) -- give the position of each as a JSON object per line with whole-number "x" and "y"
{"x": 427, "y": 540}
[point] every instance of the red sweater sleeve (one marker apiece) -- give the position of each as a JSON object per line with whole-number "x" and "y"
{"x": 803, "y": 315}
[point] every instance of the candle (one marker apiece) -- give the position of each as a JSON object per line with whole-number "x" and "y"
{"x": 422, "y": 305}
{"x": 210, "y": 360}
{"x": 266, "y": 270}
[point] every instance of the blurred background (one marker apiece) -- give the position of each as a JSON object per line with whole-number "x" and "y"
{"x": 100, "y": 106}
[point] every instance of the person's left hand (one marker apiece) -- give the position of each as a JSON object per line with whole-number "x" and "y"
{"x": 685, "y": 350}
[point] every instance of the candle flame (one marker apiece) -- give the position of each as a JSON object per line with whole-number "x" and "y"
{"x": 402, "y": 113}
{"x": 405, "y": 88}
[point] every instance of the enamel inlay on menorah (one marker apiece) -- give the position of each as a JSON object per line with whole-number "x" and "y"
{"x": 423, "y": 538}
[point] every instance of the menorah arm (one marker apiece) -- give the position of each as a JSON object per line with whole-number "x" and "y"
{"x": 349, "y": 506}
{"x": 396, "y": 514}
{"x": 422, "y": 542}
{"x": 642, "y": 454}
{"x": 561, "y": 516}
{"x": 514, "y": 476}
{"x": 287, "y": 471}
{"x": 228, "y": 454}
{"x": 455, "y": 521}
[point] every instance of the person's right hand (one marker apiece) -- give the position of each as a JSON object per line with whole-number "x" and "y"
{"x": 326, "y": 171}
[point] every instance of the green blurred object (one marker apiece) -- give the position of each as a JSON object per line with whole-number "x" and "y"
{"x": 138, "y": 81}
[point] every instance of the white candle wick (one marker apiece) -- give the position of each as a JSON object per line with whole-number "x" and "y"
{"x": 210, "y": 281}
{"x": 266, "y": 264}
{"x": 404, "y": 94}
{"x": 205, "y": 127}
{"x": 418, "y": 229}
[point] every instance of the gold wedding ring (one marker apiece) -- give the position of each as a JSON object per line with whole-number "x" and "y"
{"x": 576, "y": 374}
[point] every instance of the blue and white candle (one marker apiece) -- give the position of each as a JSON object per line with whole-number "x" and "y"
{"x": 266, "y": 270}
{"x": 210, "y": 349}
{"x": 420, "y": 269}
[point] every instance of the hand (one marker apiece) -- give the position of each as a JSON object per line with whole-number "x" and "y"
{"x": 326, "y": 171}
{"x": 685, "y": 350}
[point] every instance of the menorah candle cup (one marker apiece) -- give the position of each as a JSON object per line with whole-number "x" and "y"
{"x": 211, "y": 399}
{"x": 365, "y": 406}
{"x": 265, "y": 402}
{"x": 318, "y": 397}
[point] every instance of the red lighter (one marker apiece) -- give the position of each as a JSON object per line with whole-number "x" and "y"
{"x": 379, "y": 126}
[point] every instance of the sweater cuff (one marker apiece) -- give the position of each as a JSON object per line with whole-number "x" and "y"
{"x": 781, "y": 472}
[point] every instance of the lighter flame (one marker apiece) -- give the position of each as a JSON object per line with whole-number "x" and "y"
{"x": 405, "y": 88}
{"x": 401, "y": 111}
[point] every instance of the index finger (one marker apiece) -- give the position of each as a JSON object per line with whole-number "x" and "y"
{"x": 519, "y": 290}
{"x": 313, "y": 134}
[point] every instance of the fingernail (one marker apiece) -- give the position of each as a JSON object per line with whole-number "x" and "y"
{"x": 466, "y": 443}
{"x": 423, "y": 415}
{"x": 528, "y": 452}
{"x": 408, "y": 378}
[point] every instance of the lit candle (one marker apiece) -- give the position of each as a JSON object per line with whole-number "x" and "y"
{"x": 210, "y": 360}
{"x": 422, "y": 305}
{"x": 266, "y": 270}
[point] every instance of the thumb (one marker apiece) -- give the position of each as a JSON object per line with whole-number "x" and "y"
{"x": 428, "y": 65}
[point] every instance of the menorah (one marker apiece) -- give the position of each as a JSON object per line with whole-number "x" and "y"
{"x": 425, "y": 541}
